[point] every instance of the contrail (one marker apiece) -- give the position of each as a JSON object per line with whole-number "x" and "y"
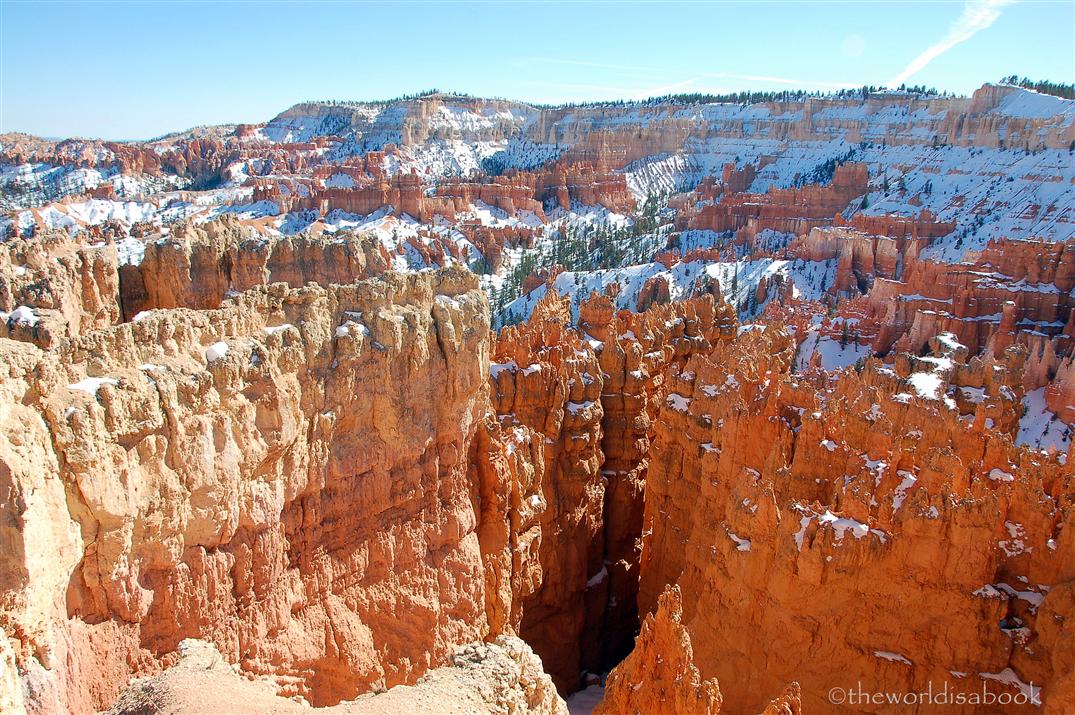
{"x": 977, "y": 16}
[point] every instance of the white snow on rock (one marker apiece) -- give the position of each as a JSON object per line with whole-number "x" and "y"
{"x": 1009, "y": 677}
{"x": 894, "y": 657}
{"x": 23, "y": 315}
{"x": 1039, "y": 427}
{"x": 677, "y": 402}
{"x": 999, "y": 475}
{"x": 216, "y": 351}
{"x": 926, "y": 385}
{"x": 809, "y": 280}
{"x": 833, "y": 355}
{"x": 839, "y": 525}
{"x": 901, "y": 491}
{"x": 741, "y": 544}
{"x": 92, "y": 384}
{"x": 1014, "y": 544}
{"x": 598, "y": 577}
{"x": 130, "y": 251}
{"x": 577, "y": 407}
{"x": 274, "y": 329}
{"x": 584, "y": 701}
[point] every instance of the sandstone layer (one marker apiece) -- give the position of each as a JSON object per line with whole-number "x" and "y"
{"x": 281, "y": 476}
{"x": 860, "y": 524}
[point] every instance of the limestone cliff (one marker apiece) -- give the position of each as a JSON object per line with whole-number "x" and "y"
{"x": 282, "y": 476}
{"x": 582, "y": 401}
{"x": 860, "y": 524}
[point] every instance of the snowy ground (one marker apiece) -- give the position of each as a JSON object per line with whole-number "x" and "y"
{"x": 1040, "y": 428}
{"x": 584, "y": 701}
{"x": 834, "y": 356}
{"x": 738, "y": 282}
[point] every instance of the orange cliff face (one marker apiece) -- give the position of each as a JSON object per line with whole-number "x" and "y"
{"x": 662, "y": 663}
{"x": 660, "y": 677}
{"x": 1011, "y": 291}
{"x": 291, "y": 464}
{"x": 339, "y": 478}
{"x": 848, "y": 521}
{"x": 260, "y": 460}
{"x": 198, "y": 266}
{"x": 584, "y": 401}
{"x": 786, "y": 210}
{"x": 558, "y": 184}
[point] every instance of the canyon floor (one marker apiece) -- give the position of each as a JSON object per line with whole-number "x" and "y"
{"x": 454, "y": 405}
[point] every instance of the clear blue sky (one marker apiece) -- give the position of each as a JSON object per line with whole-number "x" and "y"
{"x": 139, "y": 69}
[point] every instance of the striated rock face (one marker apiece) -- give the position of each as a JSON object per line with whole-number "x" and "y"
{"x": 558, "y": 185}
{"x": 52, "y": 287}
{"x": 499, "y": 677}
{"x": 793, "y": 210}
{"x": 660, "y": 677}
{"x": 1013, "y": 289}
{"x": 581, "y": 403}
{"x": 860, "y": 524}
{"x": 281, "y": 476}
{"x": 198, "y": 265}
{"x": 335, "y": 475}
{"x": 860, "y": 257}
{"x": 546, "y": 389}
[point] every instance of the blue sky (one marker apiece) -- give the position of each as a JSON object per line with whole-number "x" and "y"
{"x": 136, "y": 69}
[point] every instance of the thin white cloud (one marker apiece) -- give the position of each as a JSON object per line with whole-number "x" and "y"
{"x": 977, "y": 15}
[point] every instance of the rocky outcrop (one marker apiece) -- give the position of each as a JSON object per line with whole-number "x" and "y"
{"x": 847, "y": 520}
{"x": 281, "y": 476}
{"x": 499, "y": 677}
{"x": 582, "y": 402}
{"x": 659, "y": 676}
{"x": 794, "y": 210}
{"x": 1014, "y": 289}
{"x": 558, "y": 185}
{"x": 546, "y": 388}
{"x": 197, "y": 266}
{"x": 277, "y": 446}
{"x": 52, "y": 288}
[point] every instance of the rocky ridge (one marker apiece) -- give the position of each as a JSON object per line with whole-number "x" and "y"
{"x": 199, "y": 473}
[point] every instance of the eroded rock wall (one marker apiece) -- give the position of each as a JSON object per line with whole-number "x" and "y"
{"x": 583, "y": 399}
{"x": 282, "y": 476}
{"x": 198, "y": 265}
{"x": 862, "y": 526}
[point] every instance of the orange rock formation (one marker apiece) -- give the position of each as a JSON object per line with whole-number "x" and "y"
{"x": 282, "y": 476}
